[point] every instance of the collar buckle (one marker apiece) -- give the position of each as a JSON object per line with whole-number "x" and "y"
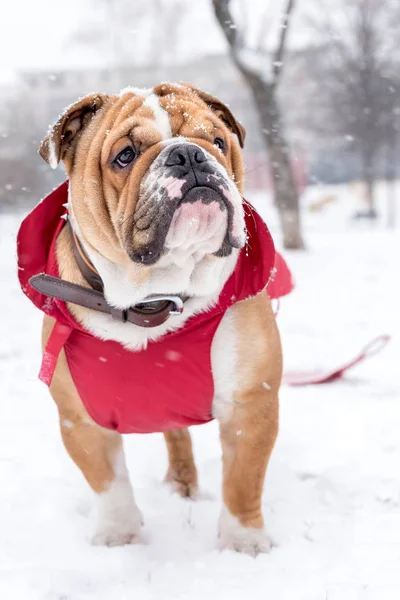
{"x": 176, "y": 301}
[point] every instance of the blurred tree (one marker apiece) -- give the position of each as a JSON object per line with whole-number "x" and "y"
{"x": 356, "y": 80}
{"x": 262, "y": 71}
{"x": 22, "y": 176}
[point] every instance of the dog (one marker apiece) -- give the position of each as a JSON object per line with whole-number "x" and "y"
{"x": 161, "y": 263}
{"x": 320, "y": 204}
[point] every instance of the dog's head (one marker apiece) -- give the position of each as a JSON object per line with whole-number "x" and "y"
{"x": 155, "y": 186}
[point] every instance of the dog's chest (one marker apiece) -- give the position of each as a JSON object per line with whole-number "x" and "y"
{"x": 167, "y": 386}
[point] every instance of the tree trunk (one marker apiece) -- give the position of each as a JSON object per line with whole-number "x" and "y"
{"x": 264, "y": 93}
{"x": 369, "y": 180}
{"x": 370, "y": 187}
{"x": 286, "y": 194}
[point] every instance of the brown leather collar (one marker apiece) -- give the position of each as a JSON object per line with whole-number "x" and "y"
{"x": 154, "y": 311}
{"x": 151, "y": 312}
{"x": 85, "y": 265}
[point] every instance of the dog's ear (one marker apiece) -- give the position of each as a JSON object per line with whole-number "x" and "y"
{"x": 63, "y": 135}
{"x": 222, "y": 111}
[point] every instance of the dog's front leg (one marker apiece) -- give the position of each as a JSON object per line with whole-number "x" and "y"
{"x": 247, "y": 438}
{"x": 99, "y": 454}
{"x": 247, "y": 366}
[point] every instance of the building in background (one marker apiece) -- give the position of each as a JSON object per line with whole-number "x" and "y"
{"x": 42, "y": 95}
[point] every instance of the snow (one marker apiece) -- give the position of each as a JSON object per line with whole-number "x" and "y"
{"x": 332, "y": 493}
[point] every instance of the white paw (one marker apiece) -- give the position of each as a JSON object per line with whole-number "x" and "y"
{"x": 185, "y": 490}
{"x": 118, "y": 517}
{"x": 236, "y": 537}
{"x": 115, "y": 538}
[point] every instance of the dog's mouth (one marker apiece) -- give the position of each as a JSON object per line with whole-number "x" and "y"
{"x": 202, "y": 220}
{"x": 197, "y": 213}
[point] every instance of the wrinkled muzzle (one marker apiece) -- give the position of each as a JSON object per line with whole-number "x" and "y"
{"x": 186, "y": 201}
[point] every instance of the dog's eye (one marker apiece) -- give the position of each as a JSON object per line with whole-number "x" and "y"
{"x": 219, "y": 142}
{"x": 125, "y": 157}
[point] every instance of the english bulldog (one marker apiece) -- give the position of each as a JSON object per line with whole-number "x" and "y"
{"x": 157, "y": 310}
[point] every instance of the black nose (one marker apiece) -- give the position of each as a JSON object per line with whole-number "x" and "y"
{"x": 187, "y": 155}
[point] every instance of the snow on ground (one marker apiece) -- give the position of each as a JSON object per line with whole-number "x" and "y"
{"x": 332, "y": 493}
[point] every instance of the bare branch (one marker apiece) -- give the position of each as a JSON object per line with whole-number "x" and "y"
{"x": 278, "y": 57}
{"x": 227, "y": 22}
{"x": 338, "y": 52}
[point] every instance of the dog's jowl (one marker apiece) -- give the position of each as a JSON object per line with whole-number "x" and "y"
{"x": 154, "y": 275}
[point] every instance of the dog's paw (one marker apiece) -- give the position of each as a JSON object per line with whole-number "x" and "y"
{"x": 185, "y": 490}
{"x": 115, "y": 538}
{"x": 253, "y": 543}
{"x": 184, "y": 484}
{"x": 118, "y": 529}
{"x": 119, "y": 519}
{"x": 236, "y": 537}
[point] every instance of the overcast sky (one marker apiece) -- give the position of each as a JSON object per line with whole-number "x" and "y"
{"x": 33, "y": 32}
{"x": 39, "y": 34}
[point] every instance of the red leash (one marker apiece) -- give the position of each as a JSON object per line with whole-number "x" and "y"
{"x": 324, "y": 376}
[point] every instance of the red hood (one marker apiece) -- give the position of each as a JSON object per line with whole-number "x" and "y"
{"x": 259, "y": 265}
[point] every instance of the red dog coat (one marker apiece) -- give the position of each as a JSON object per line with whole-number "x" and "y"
{"x": 167, "y": 386}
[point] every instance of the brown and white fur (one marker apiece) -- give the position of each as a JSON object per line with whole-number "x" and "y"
{"x": 115, "y": 211}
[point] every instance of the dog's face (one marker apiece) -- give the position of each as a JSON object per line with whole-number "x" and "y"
{"x": 155, "y": 181}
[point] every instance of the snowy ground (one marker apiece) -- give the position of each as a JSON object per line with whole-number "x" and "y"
{"x": 332, "y": 493}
